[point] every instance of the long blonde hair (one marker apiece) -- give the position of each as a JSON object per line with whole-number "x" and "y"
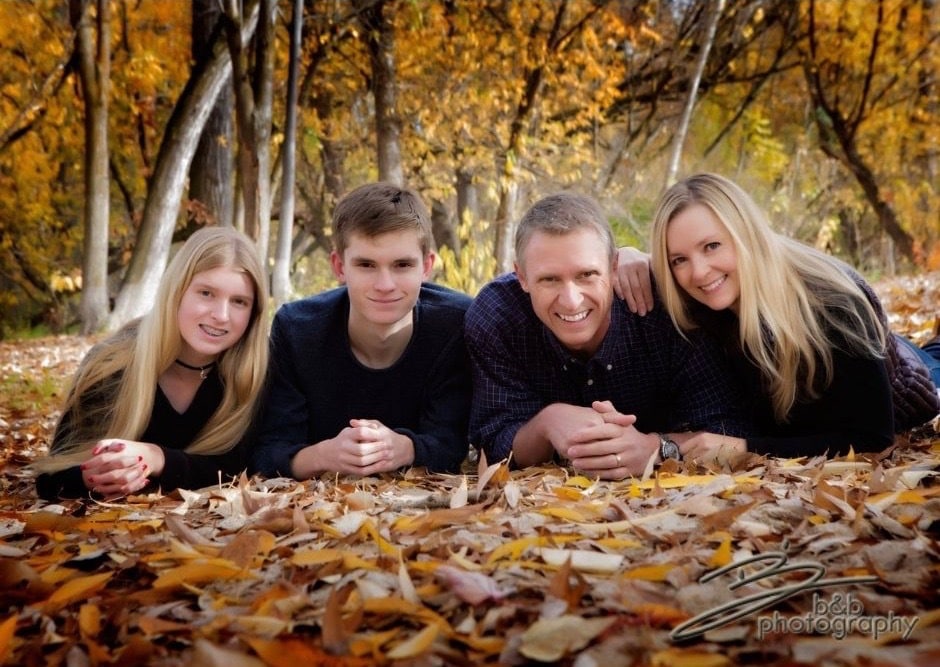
{"x": 796, "y": 305}
{"x": 136, "y": 356}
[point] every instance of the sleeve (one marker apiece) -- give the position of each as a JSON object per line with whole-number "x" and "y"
{"x": 195, "y": 471}
{"x": 440, "y": 443}
{"x": 707, "y": 397}
{"x": 67, "y": 483}
{"x": 855, "y": 411}
{"x": 503, "y": 400}
{"x": 283, "y": 420}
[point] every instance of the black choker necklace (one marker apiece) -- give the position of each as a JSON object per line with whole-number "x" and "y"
{"x": 203, "y": 370}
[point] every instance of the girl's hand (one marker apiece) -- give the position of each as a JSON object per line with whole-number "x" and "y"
{"x": 119, "y": 467}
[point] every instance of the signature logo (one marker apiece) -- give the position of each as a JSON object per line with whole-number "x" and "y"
{"x": 775, "y": 564}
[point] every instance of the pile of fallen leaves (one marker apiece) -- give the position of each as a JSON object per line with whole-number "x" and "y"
{"x": 803, "y": 561}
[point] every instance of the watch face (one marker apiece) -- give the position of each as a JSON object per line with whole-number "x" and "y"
{"x": 670, "y": 450}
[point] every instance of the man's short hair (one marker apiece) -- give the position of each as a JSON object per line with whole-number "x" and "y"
{"x": 378, "y": 208}
{"x": 563, "y": 213}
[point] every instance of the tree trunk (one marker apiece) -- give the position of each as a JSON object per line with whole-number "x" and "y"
{"x": 254, "y": 91}
{"x": 280, "y": 281}
{"x": 95, "y": 74}
{"x": 683, "y": 129}
{"x": 379, "y": 36}
{"x": 163, "y": 200}
{"x": 210, "y": 177}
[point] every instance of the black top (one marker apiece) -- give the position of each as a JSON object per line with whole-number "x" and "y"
{"x": 317, "y": 385}
{"x": 854, "y": 410}
{"x": 172, "y": 432}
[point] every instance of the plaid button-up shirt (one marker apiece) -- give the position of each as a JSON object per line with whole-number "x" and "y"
{"x": 643, "y": 366}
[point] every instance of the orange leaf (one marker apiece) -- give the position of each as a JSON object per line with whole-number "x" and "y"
{"x": 650, "y": 572}
{"x": 75, "y": 589}
{"x": 7, "y": 630}
{"x": 197, "y": 573}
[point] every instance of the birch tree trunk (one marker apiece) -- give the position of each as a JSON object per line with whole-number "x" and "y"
{"x": 280, "y": 279}
{"x": 163, "y": 201}
{"x": 683, "y": 130}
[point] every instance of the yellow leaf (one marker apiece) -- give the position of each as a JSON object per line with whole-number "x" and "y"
{"x": 566, "y": 493}
{"x": 650, "y": 572}
{"x": 580, "y": 481}
{"x": 673, "y": 657}
{"x": 89, "y": 620}
{"x": 7, "y": 630}
{"x": 75, "y": 589}
{"x": 565, "y": 513}
{"x": 416, "y": 645}
{"x": 316, "y": 556}
{"x": 195, "y": 573}
{"x": 722, "y": 555}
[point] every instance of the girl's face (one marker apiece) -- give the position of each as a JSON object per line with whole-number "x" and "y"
{"x": 703, "y": 259}
{"x": 214, "y": 313}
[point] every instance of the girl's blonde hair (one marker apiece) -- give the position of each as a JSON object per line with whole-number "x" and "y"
{"x": 142, "y": 350}
{"x": 796, "y": 305}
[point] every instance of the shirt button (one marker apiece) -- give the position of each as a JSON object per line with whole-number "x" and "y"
{"x": 564, "y": 368}
{"x": 590, "y": 382}
{"x": 610, "y": 367}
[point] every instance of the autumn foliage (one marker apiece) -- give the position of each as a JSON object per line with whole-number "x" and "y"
{"x": 493, "y": 566}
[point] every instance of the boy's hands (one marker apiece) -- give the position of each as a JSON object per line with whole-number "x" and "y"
{"x": 365, "y": 447}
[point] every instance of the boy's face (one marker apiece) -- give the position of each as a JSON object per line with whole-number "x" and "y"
{"x": 383, "y": 275}
{"x": 568, "y": 278}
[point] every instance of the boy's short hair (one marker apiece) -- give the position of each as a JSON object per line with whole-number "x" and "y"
{"x": 560, "y": 214}
{"x": 378, "y": 208}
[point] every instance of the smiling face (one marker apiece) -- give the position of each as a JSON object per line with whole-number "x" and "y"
{"x": 214, "y": 313}
{"x": 702, "y": 258}
{"x": 383, "y": 275}
{"x": 568, "y": 277}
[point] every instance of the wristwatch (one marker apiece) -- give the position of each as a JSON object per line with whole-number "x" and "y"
{"x": 668, "y": 449}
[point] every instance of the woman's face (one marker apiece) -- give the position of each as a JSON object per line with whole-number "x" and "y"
{"x": 214, "y": 313}
{"x": 703, "y": 259}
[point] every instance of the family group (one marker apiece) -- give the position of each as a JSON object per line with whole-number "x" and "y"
{"x": 727, "y": 338}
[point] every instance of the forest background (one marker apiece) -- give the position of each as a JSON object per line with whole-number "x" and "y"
{"x": 127, "y": 124}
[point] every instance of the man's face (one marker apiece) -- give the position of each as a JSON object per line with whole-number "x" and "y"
{"x": 383, "y": 275}
{"x": 568, "y": 278}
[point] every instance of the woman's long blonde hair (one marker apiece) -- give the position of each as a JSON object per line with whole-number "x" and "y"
{"x": 143, "y": 349}
{"x": 796, "y": 305}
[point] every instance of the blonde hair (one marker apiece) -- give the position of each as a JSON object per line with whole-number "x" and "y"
{"x": 134, "y": 358}
{"x": 796, "y": 304}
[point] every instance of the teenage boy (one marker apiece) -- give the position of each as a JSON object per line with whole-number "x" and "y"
{"x": 563, "y": 369}
{"x": 371, "y": 376}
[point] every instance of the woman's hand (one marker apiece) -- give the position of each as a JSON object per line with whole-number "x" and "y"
{"x": 632, "y": 281}
{"x": 119, "y": 467}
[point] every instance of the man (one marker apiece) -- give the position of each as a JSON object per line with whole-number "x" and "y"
{"x": 371, "y": 376}
{"x": 562, "y": 369}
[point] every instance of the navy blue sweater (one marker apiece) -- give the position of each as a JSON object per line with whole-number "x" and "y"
{"x": 316, "y": 385}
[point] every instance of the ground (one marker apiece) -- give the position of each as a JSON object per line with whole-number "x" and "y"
{"x": 491, "y": 567}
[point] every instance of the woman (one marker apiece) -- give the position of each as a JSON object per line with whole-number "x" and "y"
{"x": 167, "y": 400}
{"x": 801, "y": 329}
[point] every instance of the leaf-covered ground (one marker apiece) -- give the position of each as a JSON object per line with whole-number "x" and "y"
{"x": 779, "y": 562}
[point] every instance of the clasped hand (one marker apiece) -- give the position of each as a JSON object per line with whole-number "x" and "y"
{"x": 599, "y": 440}
{"x": 119, "y": 467}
